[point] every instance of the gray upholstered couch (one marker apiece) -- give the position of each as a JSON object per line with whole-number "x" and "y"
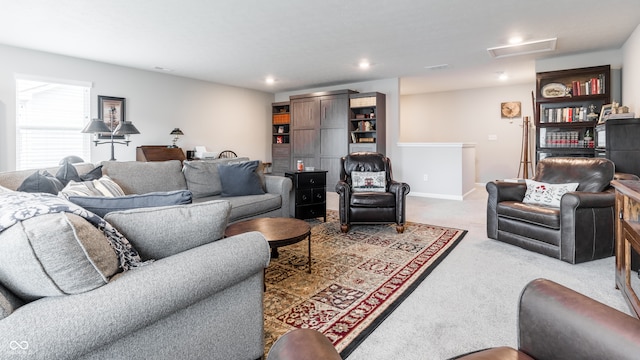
{"x": 201, "y": 298}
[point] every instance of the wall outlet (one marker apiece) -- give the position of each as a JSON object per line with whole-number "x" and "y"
{"x": 492, "y": 137}
{"x": 425, "y": 177}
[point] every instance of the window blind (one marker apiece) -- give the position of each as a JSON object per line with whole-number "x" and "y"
{"x": 49, "y": 118}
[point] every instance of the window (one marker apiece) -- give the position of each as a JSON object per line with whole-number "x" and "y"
{"x": 49, "y": 118}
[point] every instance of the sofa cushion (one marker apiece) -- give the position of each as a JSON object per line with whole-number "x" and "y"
{"x": 137, "y": 177}
{"x": 202, "y": 176}
{"x": 149, "y": 230}
{"x": 368, "y": 181}
{"x": 372, "y": 199}
{"x": 243, "y": 207}
{"x": 240, "y": 179}
{"x": 546, "y": 194}
{"x": 546, "y": 216}
{"x": 101, "y": 187}
{"x": 54, "y": 254}
{"x": 101, "y": 205}
{"x": 41, "y": 182}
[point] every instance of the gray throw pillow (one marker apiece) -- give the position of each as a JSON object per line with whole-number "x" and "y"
{"x": 240, "y": 179}
{"x": 164, "y": 231}
{"x": 94, "y": 174}
{"x": 101, "y": 205}
{"x": 66, "y": 173}
{"x": 41, "y": 182}
{"x": 55, "y": 254}
{"x": 203, "y": 178}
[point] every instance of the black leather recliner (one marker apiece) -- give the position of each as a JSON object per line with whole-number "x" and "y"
{"x": 582, "y": 229}
{"x": 370, "y": 207}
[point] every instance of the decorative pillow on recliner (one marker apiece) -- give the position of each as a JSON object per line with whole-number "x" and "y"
{"x": 101, "y": 205}
{"x": 55, "y": 254}
{"x": 366, "y": 181}
{"x": 101, "y": 187}
{"x": 539, "y": 193}
{"x": 240, "y": 179}
{"x": 41, "y": 182}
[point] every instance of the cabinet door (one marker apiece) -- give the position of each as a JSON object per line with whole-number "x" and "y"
{"x": 305, "y": 113}
{"x": 334, "y": 111}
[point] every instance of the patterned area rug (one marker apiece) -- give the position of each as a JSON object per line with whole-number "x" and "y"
{"x": 357, "y": 279}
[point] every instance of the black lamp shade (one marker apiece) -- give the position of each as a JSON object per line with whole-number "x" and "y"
{"x": 176, "y": 131}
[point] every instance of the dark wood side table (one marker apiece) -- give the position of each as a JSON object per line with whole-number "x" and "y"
{"x": 310, "y": 193}
{"x": 278, "y": 232}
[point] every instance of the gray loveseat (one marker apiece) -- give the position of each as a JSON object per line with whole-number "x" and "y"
{"x": 202, "y": 178}
{"x": 201, "y": 297}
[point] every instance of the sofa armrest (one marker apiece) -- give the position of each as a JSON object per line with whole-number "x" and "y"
{"x": 587, "y": 224}
{"x": 280, "y": 185}
{"x": 558, "y": 323}
{"x": 67, "y": 327}
{"x": 500, "y": 191}
{"x": 344, "y": 195}
{"x": 400, "y": 190}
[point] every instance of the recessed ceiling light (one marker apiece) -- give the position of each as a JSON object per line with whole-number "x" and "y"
{"x": 502, "y": 76}
{"x": 270, "y": 80}
{"x": 364, "y": 64}
{"x": 515, "y": 40}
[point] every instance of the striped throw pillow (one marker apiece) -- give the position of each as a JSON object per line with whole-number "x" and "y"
{"x": 100, "y": 187}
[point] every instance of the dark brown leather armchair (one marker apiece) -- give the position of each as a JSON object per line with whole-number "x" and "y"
{"x": 555, "y": 322}
{"x": 370, "y": 207}
{"x": 581, "y": 229}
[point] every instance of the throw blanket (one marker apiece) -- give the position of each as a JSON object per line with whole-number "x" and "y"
{"x": 16, "y": 206}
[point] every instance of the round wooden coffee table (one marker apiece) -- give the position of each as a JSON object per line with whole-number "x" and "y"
{"x": 278, "y": 231}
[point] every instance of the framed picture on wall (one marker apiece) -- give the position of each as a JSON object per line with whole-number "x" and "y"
{"x": 112, "y": 111}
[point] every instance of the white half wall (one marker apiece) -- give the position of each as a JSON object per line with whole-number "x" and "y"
{"x": 217, "y": 116}
{"x": 438, "y": 170}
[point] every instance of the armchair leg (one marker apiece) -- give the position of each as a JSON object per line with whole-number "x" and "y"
{"x": 344, "y": 228}
{"x": 400, "y": 229}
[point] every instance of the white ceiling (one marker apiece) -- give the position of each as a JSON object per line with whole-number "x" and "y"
{"x": 305, "y": 44}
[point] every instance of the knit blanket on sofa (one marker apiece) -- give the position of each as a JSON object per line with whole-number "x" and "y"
{"x": 16, "y": 206}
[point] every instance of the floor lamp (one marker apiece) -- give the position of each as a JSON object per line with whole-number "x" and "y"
{"x": 97, "y": 126}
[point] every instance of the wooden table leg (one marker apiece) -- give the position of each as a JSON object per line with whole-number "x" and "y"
{"x": 309, "y": 252}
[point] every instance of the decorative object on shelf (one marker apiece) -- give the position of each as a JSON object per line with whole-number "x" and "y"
{"x": 280, "y": 129}
{"x": 604, "y": 113}
{"x": 587, "y": 135}
{"x": 554, "y": 90}
{"x": 112, "y": 111}
{"x": 510, "y": 109}
{"x": 176, "y": 135}
{"x": 122, "y": 131}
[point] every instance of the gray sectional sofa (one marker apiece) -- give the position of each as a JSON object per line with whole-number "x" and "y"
{"x": 200, "y": 298}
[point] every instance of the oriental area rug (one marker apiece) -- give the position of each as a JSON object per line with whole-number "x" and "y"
{"x": 357, "y": 278}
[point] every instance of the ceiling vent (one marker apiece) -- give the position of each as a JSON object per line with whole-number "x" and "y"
{"x": 523, "y": 48}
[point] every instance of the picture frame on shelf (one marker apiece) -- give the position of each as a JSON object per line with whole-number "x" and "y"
{"x": 112, "y": 111}
{"x": 605, "y": 111}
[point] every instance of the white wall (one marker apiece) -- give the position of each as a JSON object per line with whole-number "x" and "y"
{"x": 217, "y": 116}
{"x": 631, "y": 73}
{"x": 471, "y": 116}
